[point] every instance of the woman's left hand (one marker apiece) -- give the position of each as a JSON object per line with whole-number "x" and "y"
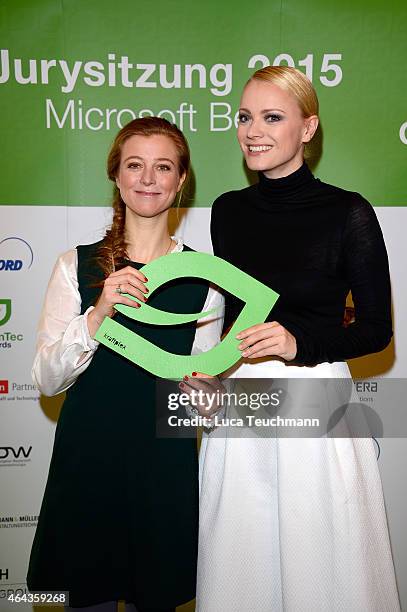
{"x": 266, "y": 339}
{"x": 211, "y": 389}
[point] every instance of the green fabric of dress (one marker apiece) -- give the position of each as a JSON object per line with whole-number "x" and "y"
{"x": 119, "y": 518}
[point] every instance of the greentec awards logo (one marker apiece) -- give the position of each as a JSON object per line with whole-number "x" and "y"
{"x": 5, "y": 311}
{"x": 7, "y": 338}
{"x": 258, "y": 298}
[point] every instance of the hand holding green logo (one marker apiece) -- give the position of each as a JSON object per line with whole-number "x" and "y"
{"x": 259, "y": 300}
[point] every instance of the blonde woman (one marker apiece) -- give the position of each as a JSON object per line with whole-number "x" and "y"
{"x": 296, "y": 524}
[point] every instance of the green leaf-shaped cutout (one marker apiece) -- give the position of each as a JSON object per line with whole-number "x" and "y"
{"x": 259, "y": 300}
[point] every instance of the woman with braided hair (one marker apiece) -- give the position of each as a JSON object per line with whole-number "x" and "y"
{"x": 120, "y": 511}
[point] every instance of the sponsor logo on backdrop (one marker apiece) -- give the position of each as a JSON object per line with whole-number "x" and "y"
{"x": 18, "y": 521}
{"x": 367, "y": 390}
{"x": 7, "y": 338}
{"x": 11, "y": 391}
{"x": 18, "y": 589}
{"x": 15, "y": 456}
{"x": 15, "y": 254}
{"x": 10, "y": 589}
{"x": 5, "y": 310}
{"x": 7, "y": 588}
{"x": 366, "y": 387}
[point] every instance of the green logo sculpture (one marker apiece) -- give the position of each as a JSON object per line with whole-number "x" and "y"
{"x": 259, "y": 300}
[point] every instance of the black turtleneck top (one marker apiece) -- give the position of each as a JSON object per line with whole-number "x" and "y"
{"x": 312, "y": 243}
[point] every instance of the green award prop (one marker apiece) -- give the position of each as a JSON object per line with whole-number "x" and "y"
{"x": 259, "y": 300}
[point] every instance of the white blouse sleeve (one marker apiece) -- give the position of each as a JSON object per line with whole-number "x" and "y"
{"x": 209, "y": 328}
{"x": 64, "y": 345}
{"x": 208, "y": 334}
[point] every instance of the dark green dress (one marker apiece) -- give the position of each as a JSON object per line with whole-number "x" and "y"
{"x": 119, "y": 516}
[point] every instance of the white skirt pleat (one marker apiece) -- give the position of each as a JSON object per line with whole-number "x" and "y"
{"x": 293, "y": 525}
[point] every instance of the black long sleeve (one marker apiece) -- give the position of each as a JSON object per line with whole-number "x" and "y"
{"x": 312, "y": 243}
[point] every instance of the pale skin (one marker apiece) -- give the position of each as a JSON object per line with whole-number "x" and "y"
{"x": 209, "y": 384}
{"x": 148, "y": 179}
{"x": 271, "y": 118}
{"x": 272, "y": 134}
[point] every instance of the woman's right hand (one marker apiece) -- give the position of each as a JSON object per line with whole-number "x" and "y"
{"x": 130, "y": 281}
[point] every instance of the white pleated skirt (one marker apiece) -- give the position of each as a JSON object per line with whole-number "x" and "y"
{"x": 292, "y": 524}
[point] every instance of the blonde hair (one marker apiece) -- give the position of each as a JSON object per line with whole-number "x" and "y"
{"x": 294, "y": 82}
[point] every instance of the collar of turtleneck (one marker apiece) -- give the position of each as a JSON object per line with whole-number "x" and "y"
{"x": 294, "y": 188}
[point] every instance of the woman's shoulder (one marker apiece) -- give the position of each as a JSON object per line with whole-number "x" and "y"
{"x": 350, "y": 198}
{"x": 356, "y": 213}
{"x": 67, "y": 258}
{"x": 233, "y": 198}
{"x": 88, "y": 249}
{"x": 351, "y": 203}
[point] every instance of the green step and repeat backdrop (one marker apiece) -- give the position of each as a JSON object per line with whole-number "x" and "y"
{"x": 72, "y": 72}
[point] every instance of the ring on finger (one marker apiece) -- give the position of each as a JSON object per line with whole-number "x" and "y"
{"x": 118, "y": 290}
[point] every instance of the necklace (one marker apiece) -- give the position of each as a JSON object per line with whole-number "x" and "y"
{"x": 163, "y": 255}
{"x": 169, "y": 246}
